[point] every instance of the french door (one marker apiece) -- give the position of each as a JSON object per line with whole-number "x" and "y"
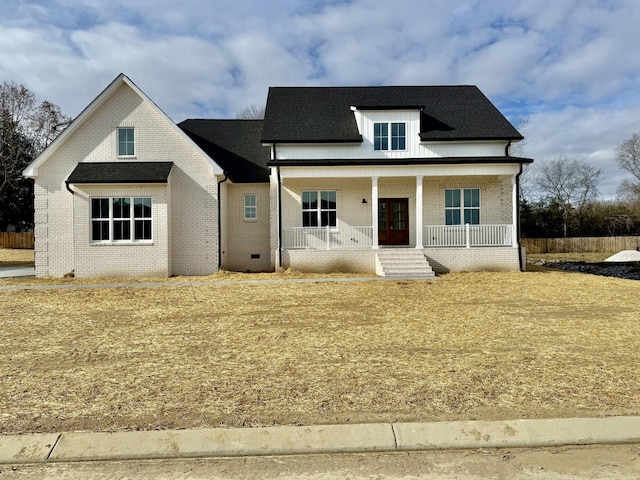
{"x": 393, "y": 221}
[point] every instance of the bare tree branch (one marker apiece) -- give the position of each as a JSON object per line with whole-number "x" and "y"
{"x": 570, "y": 183}
{"x": 251, "y": 112}
{"x": 628, "y": 155}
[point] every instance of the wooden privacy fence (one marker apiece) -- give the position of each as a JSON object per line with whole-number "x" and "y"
{"x": 16, "y": 239}
{"x": 580, "y": 244}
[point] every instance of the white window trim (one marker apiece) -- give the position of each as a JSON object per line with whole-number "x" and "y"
{"x": 111, "y": 219}
{"x": 319, "y": 209}
{"x": 390, "y": 137}
{"x": 254, "y": 207}
{"x": 462, "y": 208}
{"x": 135, "y": 146}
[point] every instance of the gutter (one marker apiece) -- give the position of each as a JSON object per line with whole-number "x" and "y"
{"x": 220, "y": 221}
{"x": 66, "y": 184}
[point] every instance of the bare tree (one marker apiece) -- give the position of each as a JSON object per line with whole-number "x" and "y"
{"x": 628, "y": 158}
{"x": 628, "y": 191}
{"x": 26, "y": 128}
{"x": 518, "y": 148}
{"x": 570, "y": 183}
{"x": 628, "y": 155}
{"x": 251, "y": 112}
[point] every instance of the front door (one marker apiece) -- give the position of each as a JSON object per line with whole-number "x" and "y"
{"x": 393, "y": 221}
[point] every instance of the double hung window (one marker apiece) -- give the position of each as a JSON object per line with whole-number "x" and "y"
{"x": 250, "y": 207}
{"x": 389, "y": 134}
{"x": 126, "y": 142}
{"x": 462, "y": 206}
{"x": 319, "y": 209}
{"x": 121, "y": 219}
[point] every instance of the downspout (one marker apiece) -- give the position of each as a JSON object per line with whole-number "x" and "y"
{"x": 73, "y": 225}
{"x": 520, "y": 259}
{"x": 279, "y": 217}
{"x": 220, "y": 220}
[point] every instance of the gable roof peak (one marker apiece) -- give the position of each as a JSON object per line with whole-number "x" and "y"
{"x": 32, "y": 169}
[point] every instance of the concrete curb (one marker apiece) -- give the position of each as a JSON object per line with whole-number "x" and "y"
{"x": 517, "y": 433}
{"x": 224, "y": 442}
{"x": 287, "y": 440}
{"x": 34, "y": 448}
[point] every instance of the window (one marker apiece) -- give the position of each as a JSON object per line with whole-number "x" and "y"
{"x": 381, "y": 136}
{"x": 319, "y": 213}
{"x": 462, "y": 206}
{"x": 382, "y": 139}
{"x": 126, "y": 142}
{"x": 114, "y": 219}
{"x": 250, "y": 207}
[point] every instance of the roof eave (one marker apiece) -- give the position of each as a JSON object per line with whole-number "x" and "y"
{"x": 397, "y": 161}
{"x": 470, "y": 139}
{"x": 267, "y": 141}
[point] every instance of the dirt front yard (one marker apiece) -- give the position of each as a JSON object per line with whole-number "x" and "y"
{"x": 474, "y": 345}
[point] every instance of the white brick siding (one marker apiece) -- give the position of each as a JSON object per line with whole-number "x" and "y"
{"x": 107, "y": 260}
{"x": 192, "y": 214}
{"x": 249, "y": 238}
{"x": 442, "y": 260}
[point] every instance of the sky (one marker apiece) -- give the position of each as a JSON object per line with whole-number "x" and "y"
{"x": 569, "y": 70}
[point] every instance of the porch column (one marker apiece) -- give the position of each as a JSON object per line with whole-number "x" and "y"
{"x": 374, "y": 211}
{"x": 514, "y": 203}
{"x": 419, "y": 211}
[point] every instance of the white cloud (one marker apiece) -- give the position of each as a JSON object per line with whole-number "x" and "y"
{"x": 568, "y": 65}
{"x": 589, "y": 133}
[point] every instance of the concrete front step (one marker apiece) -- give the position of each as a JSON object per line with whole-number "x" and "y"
{"x": 403, "y": 263}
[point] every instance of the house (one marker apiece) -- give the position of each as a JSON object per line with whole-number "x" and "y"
{"x": 391, "y": 180}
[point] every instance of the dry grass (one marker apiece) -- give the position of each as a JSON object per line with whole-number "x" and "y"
{"x": 476, "y": 345}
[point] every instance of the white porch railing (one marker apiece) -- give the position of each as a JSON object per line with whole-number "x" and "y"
{"x": 327, "y": 238}
{"x": 344, "y": 237}
{"x": 468, "y": 235}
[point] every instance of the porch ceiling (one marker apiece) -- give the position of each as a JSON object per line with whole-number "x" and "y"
{"x": 425, "y": 170}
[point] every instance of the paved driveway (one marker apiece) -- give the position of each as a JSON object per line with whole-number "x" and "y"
{"x": 6, "y": 272}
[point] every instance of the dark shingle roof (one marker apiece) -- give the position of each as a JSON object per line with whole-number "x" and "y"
{"x": 323, "y": 114}
{"x": 234, "y": 145}
{"x": 121, "y": 172}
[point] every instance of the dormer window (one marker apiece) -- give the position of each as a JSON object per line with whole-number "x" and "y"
{"x": 389, "y": 134}
{"x": 126, "y": 144}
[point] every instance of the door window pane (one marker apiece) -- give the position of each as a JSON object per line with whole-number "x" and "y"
{"x": 382, "y": 216}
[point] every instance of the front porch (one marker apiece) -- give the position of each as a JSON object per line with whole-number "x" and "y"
{"x": 342, "y": 221}
{"x": 446, "y": 248}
